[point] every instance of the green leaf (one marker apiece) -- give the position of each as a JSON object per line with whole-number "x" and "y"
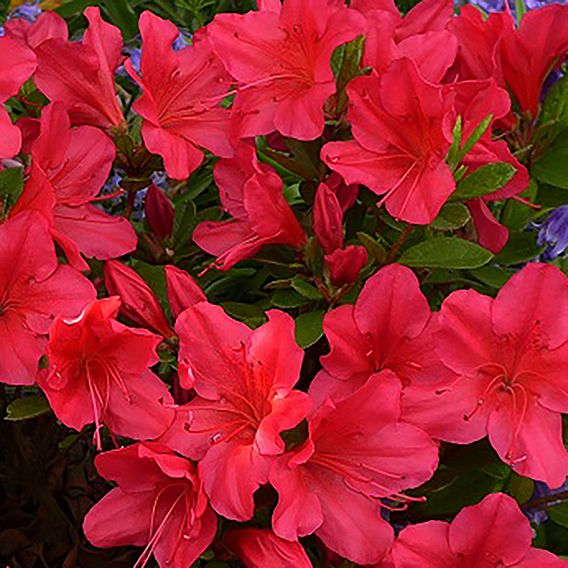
{"x": 306, "y": 289}
{"x": 446, "y": 252}
{"x": 516, "y": 215}
{"x": 519, "y": 248}
{"x": 492, "y": 276}
{"x": 559, "y": 514}
{"x": 122, "y": 15}
{"x": 521, "y": 488}
{"x": 11, "y": 187}
{"x": 184, "y": 221}
{"x": 26, "y": 408}
{"x": 309, "y": 328}
{"x": 288, "y": 299}
{"x": 474, "y": 138}
{"x": 484, "y": 180}
{"x": 452, "y": 216}
{"x": 554, "y": 113}
{"x": 552, "y": 167}
{"x": 456, "y": 142}
{"x": 375, "y": 249}
{"x": 248, "y": 313}
{"x": 520, "y": 9}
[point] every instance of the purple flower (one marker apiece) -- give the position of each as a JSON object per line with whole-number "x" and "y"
{"x": 30, "y": 11}
{"x": 537, "y": 515}
{"x": 182, "y": 40}
{"x": 554, "y": 233}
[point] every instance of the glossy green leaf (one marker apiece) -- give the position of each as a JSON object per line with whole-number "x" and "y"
{"x": 446, "y": 252}
{"x": 309, "y": 328}
{"x": 26, "y": 408}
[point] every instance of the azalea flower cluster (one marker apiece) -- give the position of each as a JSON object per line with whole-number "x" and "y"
{"x": 330, "y": 442}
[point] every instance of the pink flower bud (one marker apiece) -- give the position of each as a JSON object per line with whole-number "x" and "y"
{"x": 345, "y": 265}
{"x": 159, "y": 212}
{"x": 328, "y": 219}
{"x": 139, "y": 303}
{"x": 183, "y": 291}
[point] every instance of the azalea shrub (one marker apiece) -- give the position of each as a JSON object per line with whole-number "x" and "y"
{"x": 284, "y": 284}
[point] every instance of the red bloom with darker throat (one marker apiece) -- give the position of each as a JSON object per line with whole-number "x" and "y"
{"x": 280, "y": 60}
{"x": 492, "y": 533}
{"x": 159, "y": 504}
{"x": 402, "y": 129}
{"x": 69, "y": 167}
{"x": 181, "y": 92}
{"x": 244, "y": 382}
{"x": 358, "y": 454}
{"x": 510, "y": 357}
{"x": 251, "y": 193}
{"x": 17, "y": 63}
{"x": 33, "y": 290}
{"x": 99, "y": 372}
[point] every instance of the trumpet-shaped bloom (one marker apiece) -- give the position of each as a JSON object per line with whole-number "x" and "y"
{"x": 244, "y": 383}
{"x": 358, "y": 453}
{"x": 159, "y": 503}
{"x": 529, "y": 54}
{"x": 69, "y": 167}
{"x": 281, "y": 62}
{"x": 402, "y": 132}
{"x": 180, "y": 101}
{"x": 492, "y": 533}
{"x": 33, "y": 290}
{"x": 510, "y": 356}
{"x": 17, "y": 63}
{"x": 81, "y": 75}
{"x": 252, "y": 194}
{"x": 99, "y": 372}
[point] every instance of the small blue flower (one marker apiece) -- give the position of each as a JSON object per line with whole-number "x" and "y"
{"x": 138, "y": 212}
{"x": 30, "y": 11}
{"x": 554, "y": 233}
{"x": 182, "y": 40}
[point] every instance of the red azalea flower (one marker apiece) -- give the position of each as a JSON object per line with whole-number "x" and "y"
{"x": 433, "y": 51}
{"x": 358, "y": 453}
{"x": 48, "y": 26}
{"x": 492, "y": 533}
{"x": 33, "y": 290}
{"x": 17, "y": 63}
{"x": 180, "y": 101}
{"x": 402, "y": 132}
{"x": 244, "y": 383}
{"x": 510, "y": 356}
{"x": 389, "y": 327}
{"x": 252, "y": 194}
{"x": 159, "y": 503}
{"x": 99, "y": 372}
{"x": 69, "y": 166}
{"x": 281, "y": 61}
{"x": 426, "y": 16}
{"x": 81, "y": 75}
{"x": 528, "y": 54}
{"x": 478, "y": 39}
{"x": 261, "y": 547}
